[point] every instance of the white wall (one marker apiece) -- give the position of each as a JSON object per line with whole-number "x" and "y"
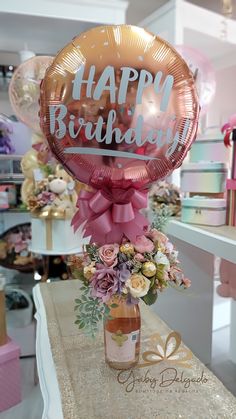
{"x": 5, "y": 106}
{"x": 224, "y": 103}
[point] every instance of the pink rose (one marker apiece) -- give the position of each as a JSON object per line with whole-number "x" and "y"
{"x": 159, "y": 237}
{"x": 108, "y": 254}
{"x": 143, "y": 245}
{"x": 187, "y": 283}
{"x": 139, "y": 257}
{"x": 176, "y": 275}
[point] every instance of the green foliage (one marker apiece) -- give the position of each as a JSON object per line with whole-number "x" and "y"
{"x": 161, "y": 216}
{"x": 137, "y": 266}
{"x": 92, "y": 251}
{"x": 122, "y": 257}
{"x": 150, "y": 297}
{"x": 160, "y": 272}
{"x": 47, "y": 169}
{"x": 90, "y": 312}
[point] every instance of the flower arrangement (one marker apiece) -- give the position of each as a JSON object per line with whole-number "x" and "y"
{"x": 137, "y": 270}
{"x": 14, "y": 248}
{"x": 41, "y": 197}
{"x": 165, "y": 194}
{"x": 54, "y": 191}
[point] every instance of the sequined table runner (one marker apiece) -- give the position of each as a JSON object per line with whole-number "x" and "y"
{"x": 170, "y": 381}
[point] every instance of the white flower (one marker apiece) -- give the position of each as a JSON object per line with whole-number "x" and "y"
{"x": 174, "y": 256}
{"x": 138, "y": 285}
{"x": 162, "y": 259}
{"x": 89, "y": 270}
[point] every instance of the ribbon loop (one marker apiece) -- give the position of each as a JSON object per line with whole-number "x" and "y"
{"x": 99, "y": 203}
{"x": 109, "y": 215}
{"x": 122, "y": 213}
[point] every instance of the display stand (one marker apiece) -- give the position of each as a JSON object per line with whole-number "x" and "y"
{"x": 192, "y": 314}
{"x": 47, "y": 253}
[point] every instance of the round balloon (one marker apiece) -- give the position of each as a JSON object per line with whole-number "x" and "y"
{"x": 203, "y": 74}
{"x": 119, "y": 107}
{"x": 30, "y": 162}
{"x": 24, "y": 90}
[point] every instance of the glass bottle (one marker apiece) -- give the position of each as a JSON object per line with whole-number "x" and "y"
{"x": 122, "y": 334}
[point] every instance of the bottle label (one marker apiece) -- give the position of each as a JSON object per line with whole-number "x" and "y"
{"x": 120, "y": 347}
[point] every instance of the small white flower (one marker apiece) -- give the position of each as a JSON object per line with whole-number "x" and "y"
{"x": 162, "y": 259}
{"x": 174, "y": 256}
{"x": 89, "y": 270}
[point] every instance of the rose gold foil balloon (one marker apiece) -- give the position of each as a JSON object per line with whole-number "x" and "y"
{"x": 24, "y": 90}
{"x": 119, "y": 107}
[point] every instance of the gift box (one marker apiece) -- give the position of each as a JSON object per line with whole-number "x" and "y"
{"x": 10, "y": 199}
{"x": 3, "y": 330}
{"x": 210, "y": 147}
{"x": 52, "y": 231}
{"x": 204, "y": 211}
{"x": 231, "y": 202}
{"x": 10, "y": 386}
{"x": 4, "y": 204}
{"x": 204, "y": 177}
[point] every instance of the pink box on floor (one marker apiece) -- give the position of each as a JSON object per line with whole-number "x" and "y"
{"x": 10, "y": 381}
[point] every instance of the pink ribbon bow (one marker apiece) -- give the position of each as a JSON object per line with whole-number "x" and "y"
{"x": 110, "y": 215}
{"x": 44, "y": 151}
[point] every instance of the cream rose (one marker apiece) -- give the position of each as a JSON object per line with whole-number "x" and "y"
{"x": 138, "y": 285}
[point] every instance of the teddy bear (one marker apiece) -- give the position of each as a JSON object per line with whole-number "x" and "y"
{"x": 62, "y": 185}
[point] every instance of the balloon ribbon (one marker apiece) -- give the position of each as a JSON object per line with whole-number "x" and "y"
{"x": 108, "y": 215}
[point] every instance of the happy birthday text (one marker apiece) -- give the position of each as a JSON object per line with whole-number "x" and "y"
{"x": 104, "y": 131}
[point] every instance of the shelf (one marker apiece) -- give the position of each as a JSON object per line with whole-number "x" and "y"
{"x": 181, "y": 22}
{"x": 11, "y": 156}
{"x": 14, "y": 211}
{"x": 30, "y": 22}
{"x": 18, "y": 179}
{"x": 220, "y": 241}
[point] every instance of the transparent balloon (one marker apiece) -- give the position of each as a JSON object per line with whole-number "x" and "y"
{"x": 24, "y": 90}
{"x": 203, "y": 73}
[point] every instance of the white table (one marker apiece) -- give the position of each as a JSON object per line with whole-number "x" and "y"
{"x": 84, "y": 381}
{"x": 192, "y": 315}
{"x": 46, "y": 369}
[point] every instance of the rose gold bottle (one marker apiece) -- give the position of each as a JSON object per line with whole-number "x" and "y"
{"x": 122, "y": 335}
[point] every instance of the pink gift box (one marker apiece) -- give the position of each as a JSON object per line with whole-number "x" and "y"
{"x": 10, "y": 385}
{"x": 231, "y": 202}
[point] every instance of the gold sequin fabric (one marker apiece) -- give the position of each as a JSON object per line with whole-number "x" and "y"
{"x": 90, "y": 389}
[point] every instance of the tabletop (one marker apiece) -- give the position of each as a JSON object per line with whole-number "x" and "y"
{"x": 77, "y": 384}
{"x": 220, "y": 241}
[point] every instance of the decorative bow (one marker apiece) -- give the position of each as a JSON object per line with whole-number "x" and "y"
{"x": 44, "y": 151}
{"x": 228, "y": 128}
{"x": 169, "y": 351}
{"x": 109, "y": 215}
